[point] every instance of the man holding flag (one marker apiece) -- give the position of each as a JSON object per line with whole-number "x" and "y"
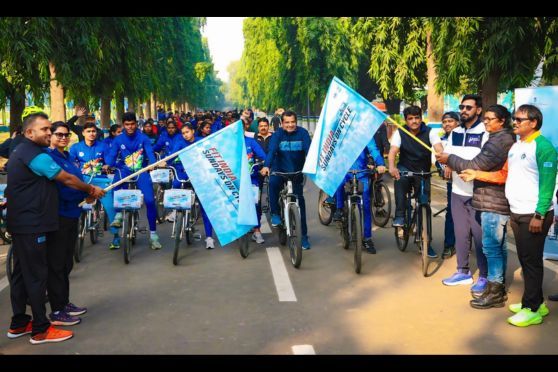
{"x": 412, "y": 157}
{"x": 287, "y": 153}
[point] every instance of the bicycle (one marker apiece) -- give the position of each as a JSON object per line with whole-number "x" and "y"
{"x": 418, "y": 218}
{"x": 290, "y": 217}
{"x": 91, "y": 219}
{"x": 130, "y": 201}
{"x": 351, "y": 222}
{"x": 181, "y": 200}
{"x": 244, "y": 241}
{"x": 380, "y": 200}
{"x": 159, "y": 177}
{"x": 4, "y": 234}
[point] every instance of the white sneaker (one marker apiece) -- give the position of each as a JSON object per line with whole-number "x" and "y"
{"x": 258, "y": 238}
{"x": 171, "y": 216}
{"x": 209, "y": 243}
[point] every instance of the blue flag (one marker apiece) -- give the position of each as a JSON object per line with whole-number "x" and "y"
{"x": 346, "y": 125}
{"x": 218, "y": 169}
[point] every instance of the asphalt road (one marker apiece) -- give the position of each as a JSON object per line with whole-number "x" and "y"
{"x": 215, "y": 302}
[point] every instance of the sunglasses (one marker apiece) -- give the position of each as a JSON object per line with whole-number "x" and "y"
{"x": 62, "y": 135}
{"x": 515, "y": 119}
{"x": 467, "y": 107}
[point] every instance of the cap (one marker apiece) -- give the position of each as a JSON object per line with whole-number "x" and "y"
{"x": 451, "y": 115}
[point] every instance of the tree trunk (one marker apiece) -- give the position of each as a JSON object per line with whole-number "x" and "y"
{"x": 105, "y": 112}
{"x": 489, "y": 89}
{"x": 153, "y": 103}
{"x": 131, "y": 104}
{"x": 148, "y": 108}
{"x": 435, "y": 101}
{"x": 140, "y": 109}
{"x": 57, "y": 107}
{"x": 119, "y": 107}
{"x": 17, "y": 105}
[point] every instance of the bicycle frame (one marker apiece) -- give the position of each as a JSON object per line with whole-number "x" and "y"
{"x": 288, "y": 197}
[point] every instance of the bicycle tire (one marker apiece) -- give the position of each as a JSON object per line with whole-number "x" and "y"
{"x": 80, "y": 241}
{"x": 380, "y": 203}
{"x": 357, "y": 237}
{"x": 295, "y": 238}
{"x": 424, "y": 233}
{"x": 10, "y": 264}
{"x": 282, "y": 235}
{"x": 160, "y": 207}
{"x": 94, "y": 234}
{"x": 325, "y": 212}
{"x": 126, "y": 240}
{"x": 345, "y": 231}
{"x": 4, "y": 234}
{"x": 244, "y": 245}
{"x": 177, "y": 236}
{"x": 196, "y": 212}
{"x": 105, "y": 220}
{"x": 134, "y": 231}
{"x": 189, "y": 228}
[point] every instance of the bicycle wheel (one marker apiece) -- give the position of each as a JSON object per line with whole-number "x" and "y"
{"x": 424, "y": 232}
{"x": 345, "y": 231}
{"x": 105, "y": 219}
{"x": 325, "y": 212}
{"x": 78, "y": 251}
{"x": 134, "y": 230}
{"x": 159, "y": 201}
{"x": 295, "y": 238}
{"x": 95, "y": 223}
{"x": 244, "y": 245}
{"x": 188, "y": 231}
{"x": 356, "y": 235}
{"x": 4, "y": 234}
{"x": 126, "y": 241}
{"x": 177, "y": 235}
{"x": 380, "y": 202}
{"x": 196, "y": 211}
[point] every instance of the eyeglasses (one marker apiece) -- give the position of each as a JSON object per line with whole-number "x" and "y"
{"x": 62, "y": 135}
{"x": 488, "y": 120}
{"x": 515, "y": 119}
{"x": 468, "y": 107}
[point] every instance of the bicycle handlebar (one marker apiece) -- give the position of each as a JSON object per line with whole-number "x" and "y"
{"x": 419, "y": 174}
{"x": 286, "y": 174}
{"x": 176, "y": 175}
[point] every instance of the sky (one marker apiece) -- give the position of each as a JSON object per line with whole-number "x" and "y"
{"x": 226, "y": 42}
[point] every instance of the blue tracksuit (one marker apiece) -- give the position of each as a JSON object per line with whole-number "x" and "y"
{"x": 68, "y": 198}
{"x": 135, "y": 152}
{"x": 165, "y": 142}
{"x": 217, "y": 125}
{"x": 361, "y": 163}
{"x": 287, "y": 153}
{"x": 90, "y": 159}
{"x": 254, "y": 150}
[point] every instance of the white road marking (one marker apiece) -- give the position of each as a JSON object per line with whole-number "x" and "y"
{"x": 303, "y": 350}
{"x": 285, "y": 290}
{"x": 265, "y": 229}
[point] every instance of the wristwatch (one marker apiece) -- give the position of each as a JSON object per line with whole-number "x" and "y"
{"x": 538, "y": 216}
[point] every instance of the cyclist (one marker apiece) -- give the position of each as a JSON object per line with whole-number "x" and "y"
{"x": 89, "y": 155}
{"x": 166, "y": 138}
{"x": 287, "y": 153}
{"x": 254, "y": 150}
{"x": 148, "y": 130}
{"x": 412, "y": 157}
{"x": 361, "y": 163}
{"x": 135, "y": 152}
{"x": 115, "y": 130}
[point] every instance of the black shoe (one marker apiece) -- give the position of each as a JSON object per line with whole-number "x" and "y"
{"x": 338, "y": 215}
{"x": 369, "y": 246}
{"x": 493, "y": 296}
{"x": 553, "y": 297}
{"x": 448, "y": 252}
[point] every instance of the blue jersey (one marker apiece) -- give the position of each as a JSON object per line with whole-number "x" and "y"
{"x": 135, "y": 152}
{"x": 89, "y": 159}
{"x": 361, "y": 162}
{"x": 166, "y": 142}
{"x": 287, "y": 151}
{"x": 254, "y": 150}
{"x": 177, "y": 146}
{"x": 68, "y": 198}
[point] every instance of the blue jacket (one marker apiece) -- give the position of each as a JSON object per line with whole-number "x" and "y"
{"x": 89, "y": 159}
{"x": 135, "y": 152}
{"x": 165, "y": 142}
{"x": 217, "y": 125}
{"x": 254, "y": 150}
{"x": 287, "y": 151}
{"x": 68, "y": 198}
{"x": 362, "y": 161}
{"x": 176, "y": 146}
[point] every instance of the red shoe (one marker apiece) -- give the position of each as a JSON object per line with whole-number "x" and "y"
{"x": 18, "y": 332}
{"x": 51, "y": 335}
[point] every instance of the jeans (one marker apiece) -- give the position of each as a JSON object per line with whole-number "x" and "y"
{"x": 494, "y": 244}
{"x": 449, "y": 233}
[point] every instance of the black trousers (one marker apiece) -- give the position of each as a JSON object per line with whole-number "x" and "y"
{"x": 60, "y": 258}
{"x": 402, "y": 186}
{"x": 530, "y": 253}
{"x": 29, "y": 280}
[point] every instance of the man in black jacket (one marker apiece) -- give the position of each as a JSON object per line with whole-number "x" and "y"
{"x": 489, "y": 200}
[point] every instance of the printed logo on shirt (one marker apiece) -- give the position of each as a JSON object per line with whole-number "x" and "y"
{"x": 41, "y": 239}
{"x": 53, "y": 166}
{"x": 123, "y": 147}
{"x": 473, "y": 139}
{"x": 290, "y": 146}
{"x": 134, "y": 161}
{"x": 81, "y": 154}
{"x": 523, "y": 156}
{"x": 548, "y": 164}
{"x": 92, "y": 167}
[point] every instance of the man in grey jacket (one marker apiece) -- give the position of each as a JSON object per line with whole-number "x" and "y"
{"x": 489, "y": 200}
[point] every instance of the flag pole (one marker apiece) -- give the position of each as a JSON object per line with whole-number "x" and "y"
{"x": 411, "y": 135}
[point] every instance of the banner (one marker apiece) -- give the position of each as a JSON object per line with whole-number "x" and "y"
{"x": 218, "y": 169}
{"x": 346, "y": 125}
